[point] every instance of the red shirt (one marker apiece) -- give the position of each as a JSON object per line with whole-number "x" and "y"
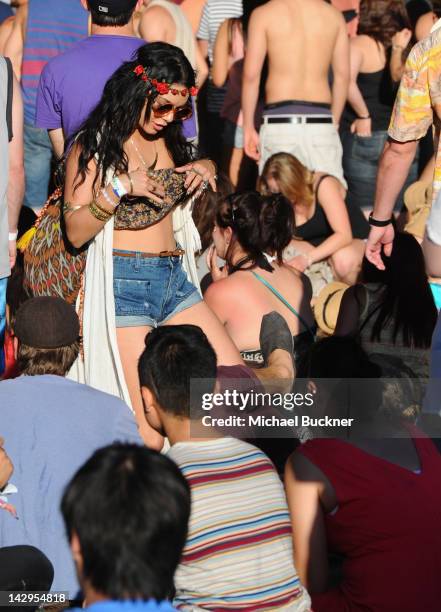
{"x": 387, "y": 527}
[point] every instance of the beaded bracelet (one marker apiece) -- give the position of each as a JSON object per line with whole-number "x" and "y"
{"x": 99, "y": 213}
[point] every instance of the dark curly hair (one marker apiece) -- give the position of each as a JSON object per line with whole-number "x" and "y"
{"x": 381, "y": 19}
{"x": 261, "y": 224}
{"x": 121, "y": 109}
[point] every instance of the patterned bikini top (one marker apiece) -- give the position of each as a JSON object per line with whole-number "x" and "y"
{"x": 136, "y": 213}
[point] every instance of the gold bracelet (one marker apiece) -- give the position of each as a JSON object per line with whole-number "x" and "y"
{"x": 68, "y": 207}
{"x": 105, "y": 211}
{"x": 98, "y": 212}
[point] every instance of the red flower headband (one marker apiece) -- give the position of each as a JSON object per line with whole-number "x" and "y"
{"x": 162, "y": 87}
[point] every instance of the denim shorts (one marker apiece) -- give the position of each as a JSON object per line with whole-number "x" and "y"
{"x": 150, "y": 290}
{"x": 232, "y": 135}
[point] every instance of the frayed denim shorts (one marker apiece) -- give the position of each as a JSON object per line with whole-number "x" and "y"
{"x": 150, "y": 290}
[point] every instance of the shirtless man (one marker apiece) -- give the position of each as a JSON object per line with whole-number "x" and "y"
{"x": 303, "y": 40}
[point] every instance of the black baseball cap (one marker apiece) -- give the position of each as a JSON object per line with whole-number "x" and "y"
{"x": 112, "y": 8}
{"x": 47, "y": 323}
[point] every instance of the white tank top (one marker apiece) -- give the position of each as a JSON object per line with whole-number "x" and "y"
{"x": 184, "y": 34}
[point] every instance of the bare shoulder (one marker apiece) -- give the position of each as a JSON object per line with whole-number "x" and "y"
{"x": 156, "y": 13}
{"x": 325, "y": 181}
{"x": 220, "y": 290}
{"x": 363, "y": 42}
{"x": 334, "y": 15}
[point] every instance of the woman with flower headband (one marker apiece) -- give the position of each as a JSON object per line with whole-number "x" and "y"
{"x": 128, "y": 169}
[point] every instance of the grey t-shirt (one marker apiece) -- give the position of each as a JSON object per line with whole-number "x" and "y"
{"x": 51, "y": 426}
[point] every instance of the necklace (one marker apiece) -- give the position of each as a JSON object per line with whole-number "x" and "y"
{"x": 138, "y": 152}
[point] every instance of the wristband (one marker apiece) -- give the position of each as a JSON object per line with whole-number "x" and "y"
{"x": 108, "y": 199}
{"x": 118, "y": 188}
{"x": 366, "y": 117}
{"x": 377, "y": 223}
{"x": 12, "y": 236}
{"x": 395, "y": 47}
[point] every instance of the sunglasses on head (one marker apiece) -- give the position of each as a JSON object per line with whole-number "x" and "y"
{"x": 179, "y": 113}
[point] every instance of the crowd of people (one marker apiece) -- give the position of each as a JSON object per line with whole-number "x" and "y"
{"x": 205, "y": 200}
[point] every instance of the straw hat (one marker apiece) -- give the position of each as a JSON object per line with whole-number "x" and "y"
{"x": 418, "y": 201}
{"x": 327, "y": 306}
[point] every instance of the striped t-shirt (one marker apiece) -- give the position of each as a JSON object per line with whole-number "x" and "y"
{"x": 52, "y": 27}
{"x": 213, "y": 15}
{"x": 238, "y": 554}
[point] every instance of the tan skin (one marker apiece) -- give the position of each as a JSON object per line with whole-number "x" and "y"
{"x": 344, "y": 252}
{"x": 240, "y": 300}
{"x": 82, "y": 226}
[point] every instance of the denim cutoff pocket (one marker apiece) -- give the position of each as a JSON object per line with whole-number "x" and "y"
{"x": 132, "y": 286}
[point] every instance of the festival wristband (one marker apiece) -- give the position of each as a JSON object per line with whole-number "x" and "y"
{"x": 377, "y": 223}
{"x": 12, "y": 236}
{"x": 118, "y": 188}
{"x": 108, "y": 198}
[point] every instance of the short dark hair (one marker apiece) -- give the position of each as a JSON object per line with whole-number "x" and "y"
{"x": 102, "y": 19}
{"x": 37, "y": 361}
{"x": 174, "y": 355}
{"x": 129, "y": 507}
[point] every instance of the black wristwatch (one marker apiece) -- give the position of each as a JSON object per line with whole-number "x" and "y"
{"x": 377, "y": 223}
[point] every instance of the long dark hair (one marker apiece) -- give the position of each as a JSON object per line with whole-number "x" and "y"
{"x": 204, "y": 209}
{"x": 381, "y": 19}
{"x": 260, "y": 224}
{"x": 117, "y": 115}
{"x": 406, "y": 299}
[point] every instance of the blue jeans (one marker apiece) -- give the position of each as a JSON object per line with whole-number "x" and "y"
{"x": 150, "y": 290}
{"x": 3, "y": 285}
{"x": 360, "y": 163}
{"x": 37, "y": 160}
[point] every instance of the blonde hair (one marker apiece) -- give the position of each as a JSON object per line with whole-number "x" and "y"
{"x": 295, "y": 181}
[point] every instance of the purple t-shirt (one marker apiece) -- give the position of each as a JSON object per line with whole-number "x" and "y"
{"x": 71, "y": 84}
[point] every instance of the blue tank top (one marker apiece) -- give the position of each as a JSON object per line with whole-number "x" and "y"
{"x": 52, "y": 27}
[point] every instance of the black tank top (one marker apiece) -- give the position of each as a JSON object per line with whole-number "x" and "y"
{"x": 378, "y": 92}
{"x": 317, "y": 229}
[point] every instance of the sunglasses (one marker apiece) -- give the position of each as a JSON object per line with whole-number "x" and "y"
{"x": 179, "y": 113}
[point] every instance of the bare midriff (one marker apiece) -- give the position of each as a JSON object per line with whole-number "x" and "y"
{"x": 154, "y": 239}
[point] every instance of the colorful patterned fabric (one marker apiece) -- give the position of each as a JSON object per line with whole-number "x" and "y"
{"x": 418, "y": 102}
{"x": 138, "y": 213}
{"x": 51, "y": 266}
{"x": 238, "y": 554}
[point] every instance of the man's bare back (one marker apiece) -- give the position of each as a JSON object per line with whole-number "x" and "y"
{"x": 304, "y": 38}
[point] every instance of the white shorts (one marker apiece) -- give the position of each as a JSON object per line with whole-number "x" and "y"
{"x": 316, "y": 145}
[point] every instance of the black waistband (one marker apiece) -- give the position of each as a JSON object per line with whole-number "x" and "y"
{"x": 275, "y": 105}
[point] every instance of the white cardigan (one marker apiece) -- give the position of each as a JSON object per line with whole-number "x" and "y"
{"x": 100, "y": 366}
